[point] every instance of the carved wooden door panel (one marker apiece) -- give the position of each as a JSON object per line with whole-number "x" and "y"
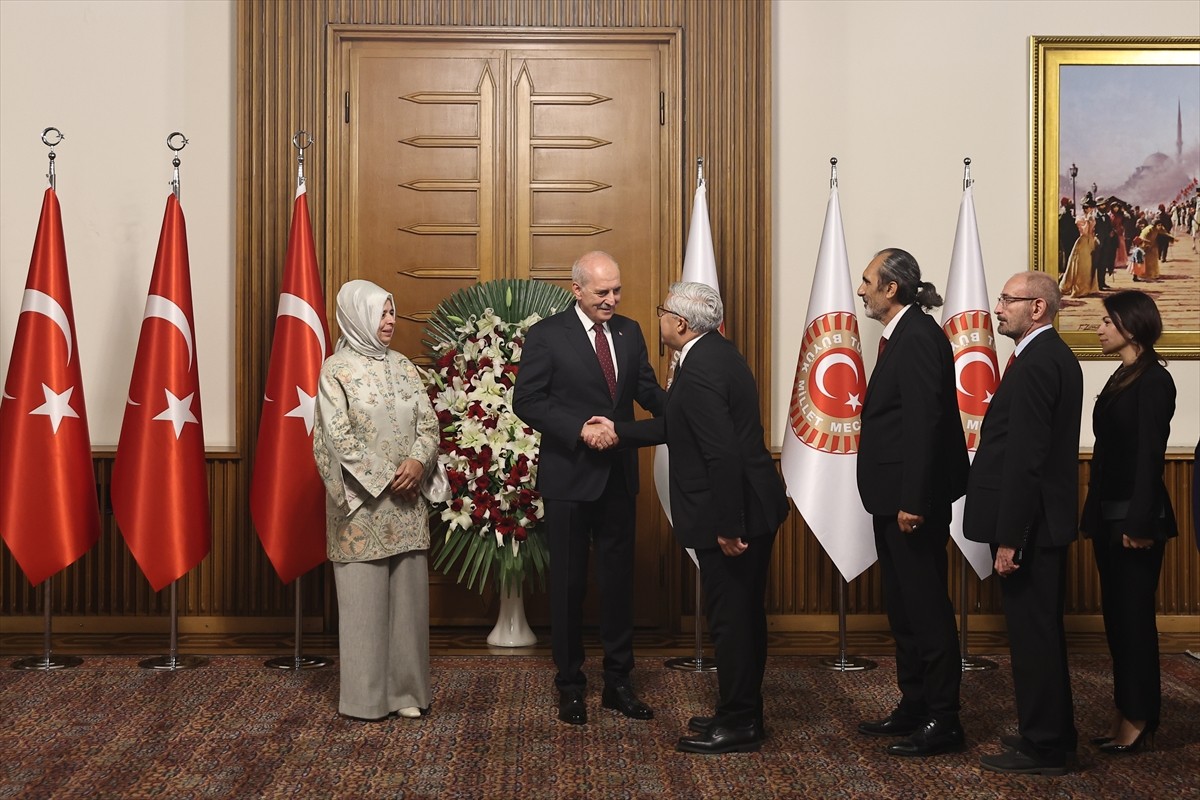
{"x": 462, "y": 160}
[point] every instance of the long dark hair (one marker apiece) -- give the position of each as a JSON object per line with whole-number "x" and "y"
{"x": 1137, "y": 317}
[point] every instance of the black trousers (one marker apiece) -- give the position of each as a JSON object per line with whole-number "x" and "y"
{"x": 916, "y": 594}
{"x": 1034, "y": 598}
{"x": 573, "y": 529}
{"x": 1128, "y": 581}
{"x": 734, "y": 594}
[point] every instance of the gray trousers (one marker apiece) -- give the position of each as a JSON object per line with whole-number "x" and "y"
{"x": 383, "y": 637}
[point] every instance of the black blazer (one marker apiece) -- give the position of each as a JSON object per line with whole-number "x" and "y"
{"x": 723, "y": 480}
{"x": 560, "y": 387}
{"x": 1127, "y": 463}
{"x": 1023, "y": 487}
{"x": 912, "y": 454}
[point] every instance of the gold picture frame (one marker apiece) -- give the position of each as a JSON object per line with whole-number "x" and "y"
{"x": 1085, "y": 93}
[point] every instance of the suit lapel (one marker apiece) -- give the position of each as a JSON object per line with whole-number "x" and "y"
{"x": 584, "y": 345}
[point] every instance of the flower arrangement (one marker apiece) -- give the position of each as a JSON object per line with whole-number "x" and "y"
{"x": 490, "y": 524}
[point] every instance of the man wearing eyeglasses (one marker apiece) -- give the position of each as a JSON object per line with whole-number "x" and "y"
{"x": 727, "y": 503}
{"x": 912, "y": 464}
{"x": 1023, "y": 498}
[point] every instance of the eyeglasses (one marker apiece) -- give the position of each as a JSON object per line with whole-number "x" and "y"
{"x": 662, "y": 311}
{"x": 1008, "y": 299}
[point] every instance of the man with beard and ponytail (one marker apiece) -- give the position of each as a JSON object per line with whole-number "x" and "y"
{"x": 912, "y": 464}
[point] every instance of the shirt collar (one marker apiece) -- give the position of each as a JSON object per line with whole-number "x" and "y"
{"x": 687, "y": 347}
{"x": 890, "y": 328}
{"x": 1029, "y": 338}
{"x": 587, "y": 323}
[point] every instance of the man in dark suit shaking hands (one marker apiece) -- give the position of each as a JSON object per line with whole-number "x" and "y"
{"x": 1022, "y": 498}
{"x": 727, "y": 503}
{"x": 912, "y": 464}
{"x": 582, "y": 362}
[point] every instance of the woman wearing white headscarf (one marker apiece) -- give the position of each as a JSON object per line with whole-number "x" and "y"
{"x": 376, "y": 439}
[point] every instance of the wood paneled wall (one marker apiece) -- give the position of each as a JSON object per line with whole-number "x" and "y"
{"x": 727, "y": 119}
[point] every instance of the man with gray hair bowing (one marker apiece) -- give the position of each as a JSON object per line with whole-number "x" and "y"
{"x": 1023, "y": 499}
{"x": 912, "y": 464}
{"x": 727, "y": 502}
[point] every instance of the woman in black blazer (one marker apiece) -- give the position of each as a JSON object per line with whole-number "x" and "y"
{"x": 1128, "y": 514}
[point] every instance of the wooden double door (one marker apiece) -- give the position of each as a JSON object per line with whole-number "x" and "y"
{"x": 460, "y": 158}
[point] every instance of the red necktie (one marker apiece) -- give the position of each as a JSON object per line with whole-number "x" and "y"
{"x": 604, "y": 356}
{"x": 882, "y": 344}
{"x": 1011, "y": 359}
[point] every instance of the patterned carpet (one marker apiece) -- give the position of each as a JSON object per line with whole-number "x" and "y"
{"x": 235, "y": 729}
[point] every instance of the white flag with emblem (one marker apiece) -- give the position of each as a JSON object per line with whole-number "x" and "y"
{"x": 699, "y": 266}
{"x": 820, "y": 445}
{"x": 968, "y": 324}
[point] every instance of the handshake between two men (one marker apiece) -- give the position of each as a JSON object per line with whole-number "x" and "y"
{"x": 599, "y": 433}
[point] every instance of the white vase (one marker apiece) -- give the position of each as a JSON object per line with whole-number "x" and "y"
{"x": 512, "y": 630}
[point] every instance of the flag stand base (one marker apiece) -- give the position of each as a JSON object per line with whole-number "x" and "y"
{"x": 973, "y": 664}
{"x": 969, "y": 663}
{"x": 297, "y": 661}
{"x": 47, "y": 663}
{"x": 697, "y": 662}
{"x": 172, "y": 663}
{"x": 844, "y": 663}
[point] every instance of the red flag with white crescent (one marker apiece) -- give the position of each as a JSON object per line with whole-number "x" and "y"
{"x": 49, "y": 515}
{"x": 159, "y": 482}
{"x": 287, "y": 497}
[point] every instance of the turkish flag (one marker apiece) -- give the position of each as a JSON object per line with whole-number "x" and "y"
{"x": 49, "y": 515}
{"x": 159, "y": 482}
{"x": 287, "y": 496}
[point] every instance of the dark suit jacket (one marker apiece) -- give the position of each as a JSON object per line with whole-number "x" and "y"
{"x": 560, "y": 387}
{"x": 723, "y": 480}
{"x": 1127, "y": 463}
{"x": 1023, "y": 487}
{"x": 912, "y": 454}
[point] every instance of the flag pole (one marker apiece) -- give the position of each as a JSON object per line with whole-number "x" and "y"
{"x": 47, "y": 661}
{"x": 298, "y": 661}
{"x": 176, "y": 141}
{"x": 697, "y": 662}
{"x": 969, "y": 663}
{"x": 843, "y": 663}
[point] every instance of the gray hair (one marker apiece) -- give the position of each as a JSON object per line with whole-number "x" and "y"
{"x": 1040, "y": 284}
{"x": 900, "y": 266}
{"x": 698, "y": 303}
{"x": 581, "y": 269}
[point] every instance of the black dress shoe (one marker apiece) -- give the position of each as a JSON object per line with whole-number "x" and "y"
{"x": 936, "y": 737}
{"x": 1144, "y": 739}
{"x": 622, "y": 698}
{"x": 1016, "y": 762}
{"x": 896, "y": 724}
{"x": 719, "y": 739}
{"x": 571, "y": 708}
{"x": 702, "y": 724}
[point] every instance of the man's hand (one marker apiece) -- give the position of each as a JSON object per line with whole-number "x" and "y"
{"x": 909, "y": 522}
{"x": 732, "y": 547}
{"x": 599, "y": 433}
{"x": 1004, "y": 565}
{"x": 1135, "y": 543}
{"x": 407, "y": 480}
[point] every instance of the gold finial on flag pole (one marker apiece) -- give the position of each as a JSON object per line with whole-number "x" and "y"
{"x": 46, "y": 141}
{"x": 699, "y": 172}
{"x": 175, "y": 148}
{"x": 967, "y": 174}
{"x": 833, "y": 173}
{"x": 308, "y": 140}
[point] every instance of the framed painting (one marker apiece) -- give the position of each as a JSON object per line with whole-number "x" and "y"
{"x": 1115, "y": 176}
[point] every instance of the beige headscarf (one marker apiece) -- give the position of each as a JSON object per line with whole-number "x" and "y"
{"x": 359, "y": 310}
